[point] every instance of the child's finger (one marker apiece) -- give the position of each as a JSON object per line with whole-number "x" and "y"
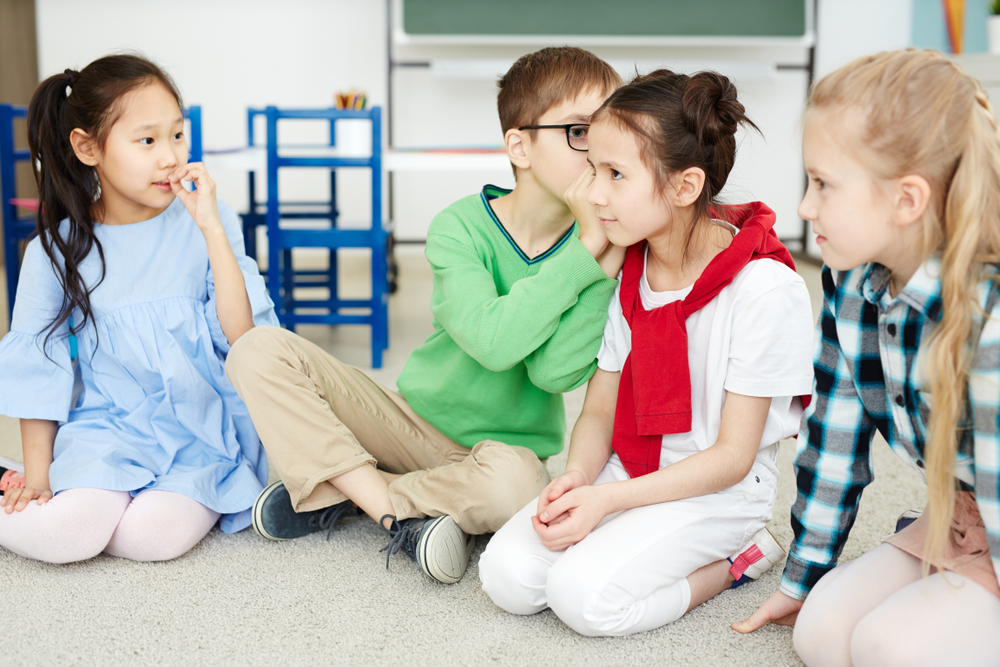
{"x": 180, "y": 191}
{"x": 23, "y": 501}
{"x": 180, "y": 174}
{"x": 197, "y": 173}
{"x": 756, "y": 620}
{"x": 555, "y": 508}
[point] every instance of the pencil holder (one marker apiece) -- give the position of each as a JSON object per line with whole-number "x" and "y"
{"x": 354, "y": 137}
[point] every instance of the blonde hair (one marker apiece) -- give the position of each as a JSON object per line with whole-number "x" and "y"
{"x": 923, "y": 115}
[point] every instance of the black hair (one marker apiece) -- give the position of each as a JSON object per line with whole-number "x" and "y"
{"x": 91, "y": 100}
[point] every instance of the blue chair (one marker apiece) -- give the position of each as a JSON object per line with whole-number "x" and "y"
{"x": 256, "y": 216}
{"x": 282, "y": 278}
{"x": 16, "y": 228}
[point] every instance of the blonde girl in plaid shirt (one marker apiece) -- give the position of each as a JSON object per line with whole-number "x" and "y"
{"x": 903, "y": 157}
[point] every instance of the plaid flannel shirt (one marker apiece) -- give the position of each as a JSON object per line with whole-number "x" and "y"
{"x": 868, "y": 367}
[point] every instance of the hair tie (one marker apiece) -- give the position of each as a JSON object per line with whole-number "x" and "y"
{"x": 71, "y": 75}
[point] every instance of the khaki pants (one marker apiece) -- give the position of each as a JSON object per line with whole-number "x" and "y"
{"x": 319, "y": 418}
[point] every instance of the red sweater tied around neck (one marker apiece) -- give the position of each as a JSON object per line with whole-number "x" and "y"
{"x": 654, "y": 391}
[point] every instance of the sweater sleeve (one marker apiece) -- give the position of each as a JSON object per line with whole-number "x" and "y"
{"x": 501, "y": 331}
{"x": 569, "y": 357}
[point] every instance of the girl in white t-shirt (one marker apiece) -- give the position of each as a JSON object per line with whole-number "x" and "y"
{"x": 671, "y": 473}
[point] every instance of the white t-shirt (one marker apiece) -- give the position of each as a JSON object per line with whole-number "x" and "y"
{"x": 755, "y": 338}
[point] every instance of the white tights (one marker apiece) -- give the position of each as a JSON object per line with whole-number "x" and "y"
{"x": 878, "y": 610}
{"x": 78, "y": 524}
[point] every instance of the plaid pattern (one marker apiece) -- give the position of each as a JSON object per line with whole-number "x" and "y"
{"x": 868, "y": 377}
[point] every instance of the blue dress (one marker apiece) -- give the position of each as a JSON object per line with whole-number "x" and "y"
{"x": 147, "y": 404}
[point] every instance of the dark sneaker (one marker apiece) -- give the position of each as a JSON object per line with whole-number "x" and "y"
{"x": 437, "y": 544}
{"x": 275, "y": 519}
{"x": 760, "y": 556}
{"x": 906, "y": 518}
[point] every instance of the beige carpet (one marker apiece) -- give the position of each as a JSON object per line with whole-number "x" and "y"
{"x": 241, "y": 600}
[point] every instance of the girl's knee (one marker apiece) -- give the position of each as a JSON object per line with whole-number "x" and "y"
{"x": 579, "y": 600}
{"x": 881, "y": 640}
{"x": 823, "y": 629}
{"x": 160, "y": 526}
{"x": 512, "y": 578}
{"x": 153, "y": 541}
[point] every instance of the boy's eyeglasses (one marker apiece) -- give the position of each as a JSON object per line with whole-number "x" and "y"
{"x": 576, "y": 133}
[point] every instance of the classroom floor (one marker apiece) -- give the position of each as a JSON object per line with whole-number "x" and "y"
{"x": 241, "y": 600}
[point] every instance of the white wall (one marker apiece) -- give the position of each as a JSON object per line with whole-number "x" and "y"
{"x": 230, "y": 54}
{"x": 227, "y": 55}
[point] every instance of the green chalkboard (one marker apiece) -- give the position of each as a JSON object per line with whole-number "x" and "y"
{"x": 637, "y": 18}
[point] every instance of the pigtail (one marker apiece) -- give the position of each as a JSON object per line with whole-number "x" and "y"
{"x": 971, "y": 240}
{"x": 66, "y": 188}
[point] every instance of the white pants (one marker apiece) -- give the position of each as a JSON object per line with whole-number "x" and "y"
{"x": 629, "y": 574}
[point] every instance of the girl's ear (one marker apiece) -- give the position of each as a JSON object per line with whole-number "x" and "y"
{"x": 687, "y": 186}
{"x": 911, "y": 198}
{"x": 514, "y": 141}
{"x": 84, "y": 147}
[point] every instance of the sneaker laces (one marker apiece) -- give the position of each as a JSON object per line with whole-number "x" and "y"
{"x": 11, "y": 479}
{"x": 328, "y": 517}
{"x": 405, "y": 536}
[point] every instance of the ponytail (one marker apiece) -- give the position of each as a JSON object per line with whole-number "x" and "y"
{"x": 971, "y": 221}
{"x": 66, "y": 188}
{"x": 91, "y": 100}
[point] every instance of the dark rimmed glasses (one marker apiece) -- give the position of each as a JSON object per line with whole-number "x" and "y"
{"x": 576, "y": 133}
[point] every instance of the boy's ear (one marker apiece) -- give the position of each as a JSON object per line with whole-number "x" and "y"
{"x": 911, "y": 197}
{"x": 688, "y": 185}
{"x": 514, "y": 141}
{"x": 84, "y": 147}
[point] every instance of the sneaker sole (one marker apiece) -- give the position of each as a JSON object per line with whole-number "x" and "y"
{"x": 11, "y": 464}
{"x": 772, "y": 551}
{"x": 452, "y": 548}
{"x": 258, "y": 505}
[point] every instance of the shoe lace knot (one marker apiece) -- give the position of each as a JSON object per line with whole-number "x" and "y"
{"x": 403, "y": 535}
{"x": 326, "y": 519}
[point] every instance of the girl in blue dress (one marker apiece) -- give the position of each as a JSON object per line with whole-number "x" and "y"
{"x": 135, "y": 443}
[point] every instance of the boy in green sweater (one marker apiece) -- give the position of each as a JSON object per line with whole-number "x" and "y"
{"x": 520, "y": 299}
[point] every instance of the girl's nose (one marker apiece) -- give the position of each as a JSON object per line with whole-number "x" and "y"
{"x": 806, "y": 210}
{"x": 168, "y": 157}
{"x": 596, "y": 196}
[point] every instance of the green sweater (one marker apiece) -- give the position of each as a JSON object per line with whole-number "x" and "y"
{"x": 510, "y": 333}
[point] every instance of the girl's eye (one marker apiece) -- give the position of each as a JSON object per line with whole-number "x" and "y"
{"x": 146, "y": 141}
{"x": 819, "y": 183}
{"x": 177, "y": 137}
{"x": 616, "y": 175}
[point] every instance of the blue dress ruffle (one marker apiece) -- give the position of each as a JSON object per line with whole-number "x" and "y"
{"x": 147, "y": 404}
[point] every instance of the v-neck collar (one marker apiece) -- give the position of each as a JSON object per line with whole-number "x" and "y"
{"x": 491, "y": 192}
